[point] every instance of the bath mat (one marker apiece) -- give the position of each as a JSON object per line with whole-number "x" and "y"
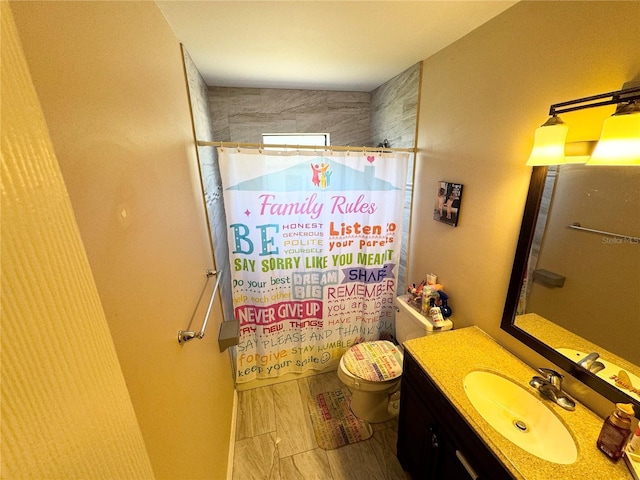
{"x": 333, "y": 423}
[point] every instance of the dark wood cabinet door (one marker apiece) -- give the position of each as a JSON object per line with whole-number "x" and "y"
{"x": 434, "y": 440}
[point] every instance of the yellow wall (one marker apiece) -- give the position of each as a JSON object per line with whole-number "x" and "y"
{"x": 66, "y": 412}
{"x": 482, "y": 99}
{"x": 110, "y": 79}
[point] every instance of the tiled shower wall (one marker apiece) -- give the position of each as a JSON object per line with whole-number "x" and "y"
{"x": 394, "y": 115}
{"x": 244, "y": 114}
{"x": 210, "y": 177}
{"x": 394, "y": 109}
{"x": 352, "y": 118}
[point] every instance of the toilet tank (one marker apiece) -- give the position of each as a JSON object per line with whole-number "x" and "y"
{"x": 410, "y": 323}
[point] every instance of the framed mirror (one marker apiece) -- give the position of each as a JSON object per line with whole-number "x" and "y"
{"x": 575, "y": 281}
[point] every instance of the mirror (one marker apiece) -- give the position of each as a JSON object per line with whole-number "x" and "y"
{"x": 576, "y": 275}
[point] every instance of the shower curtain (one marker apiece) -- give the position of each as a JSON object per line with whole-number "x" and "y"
{"x": 314, "y": 244}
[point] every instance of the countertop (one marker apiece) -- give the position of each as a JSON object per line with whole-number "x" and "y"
{"x": 448, "y": 356}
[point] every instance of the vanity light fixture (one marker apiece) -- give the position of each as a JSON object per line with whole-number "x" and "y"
{"x": 548, "y": 145}
{"x": 619, "y": 142}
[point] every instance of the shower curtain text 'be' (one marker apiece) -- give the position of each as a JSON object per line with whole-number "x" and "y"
{"x": 314, "y": 244}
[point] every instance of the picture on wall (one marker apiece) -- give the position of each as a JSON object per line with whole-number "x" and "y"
{"x": 447, "y": 208}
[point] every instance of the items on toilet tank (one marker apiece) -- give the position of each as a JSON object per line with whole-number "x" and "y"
{"x": 421, "y": 291}
{"x": 429, "y": 296}
{"x": 430, "y": 300}
{"x": 416, "y": 291}
{"x": 411, "y": 323}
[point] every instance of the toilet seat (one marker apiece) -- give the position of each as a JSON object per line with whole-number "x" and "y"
{"x": 378, "y": 361}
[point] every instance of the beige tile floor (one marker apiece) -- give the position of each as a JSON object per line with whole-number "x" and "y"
{"x": 275, "y": 440}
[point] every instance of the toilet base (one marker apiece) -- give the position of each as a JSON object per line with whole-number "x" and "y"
{"x": 375, "y": 407}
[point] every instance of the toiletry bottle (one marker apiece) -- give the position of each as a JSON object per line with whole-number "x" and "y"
{"x": 426, "y": 295}
{"x": 615, "y": 431}
{"x": 435, "y": 313}
{"x": 634, "y": 443}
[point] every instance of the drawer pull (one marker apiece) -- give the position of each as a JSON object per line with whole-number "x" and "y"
{"x": 472, "y": 473}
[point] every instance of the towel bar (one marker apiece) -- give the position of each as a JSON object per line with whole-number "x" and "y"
{"x": 626, "y": 238}
{"x": 186, "y": 335}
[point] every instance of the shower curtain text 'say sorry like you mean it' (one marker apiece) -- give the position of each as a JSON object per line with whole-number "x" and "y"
{"x": 314, "y": 243}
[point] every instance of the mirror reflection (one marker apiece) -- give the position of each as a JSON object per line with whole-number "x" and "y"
{"x": 580, "y": 290}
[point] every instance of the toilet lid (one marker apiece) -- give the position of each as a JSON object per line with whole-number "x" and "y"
{"x": 374, "y": 361}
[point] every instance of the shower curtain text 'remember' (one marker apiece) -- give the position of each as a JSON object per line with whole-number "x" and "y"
{"x": 314, "y": 244}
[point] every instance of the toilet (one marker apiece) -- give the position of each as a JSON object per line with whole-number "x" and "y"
{"x": 372, "y": 370}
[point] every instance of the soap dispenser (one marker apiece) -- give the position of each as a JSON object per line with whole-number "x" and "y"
{"x": 616, "y": 430}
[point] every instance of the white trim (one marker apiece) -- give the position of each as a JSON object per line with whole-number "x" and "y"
{"x": 232, "y": 438}
{"x": 295, "y": 139}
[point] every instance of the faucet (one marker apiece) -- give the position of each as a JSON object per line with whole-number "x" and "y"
{"x": 550, "y": 387}
{"x": 589, "y": 362}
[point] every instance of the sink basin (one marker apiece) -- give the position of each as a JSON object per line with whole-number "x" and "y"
{"x": 520, "y": 416}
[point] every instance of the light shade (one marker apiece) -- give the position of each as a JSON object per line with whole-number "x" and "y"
{"x": 548, "y": 145}
{"x": 619, "y": 142}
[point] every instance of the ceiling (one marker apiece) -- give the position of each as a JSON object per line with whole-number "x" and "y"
{"x": 326, "y": 45}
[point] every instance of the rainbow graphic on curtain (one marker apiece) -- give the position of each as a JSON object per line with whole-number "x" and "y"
{"x": 314, "y": 244}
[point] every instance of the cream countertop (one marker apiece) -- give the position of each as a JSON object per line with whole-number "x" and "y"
{"x": 447, "y": 357}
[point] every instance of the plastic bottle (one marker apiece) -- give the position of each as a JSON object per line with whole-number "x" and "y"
{"x": 634, "y": 443}
{"x": 445, "y": 308}
{"x": 616, "y": 430}
{"x": 435, "y": 313}
{"x": 426, "y": 295}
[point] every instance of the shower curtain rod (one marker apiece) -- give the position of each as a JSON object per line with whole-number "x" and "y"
{"x": 202, "y": 143}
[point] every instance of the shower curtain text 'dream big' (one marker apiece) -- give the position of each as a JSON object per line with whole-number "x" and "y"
{"x": 314, "y": 244}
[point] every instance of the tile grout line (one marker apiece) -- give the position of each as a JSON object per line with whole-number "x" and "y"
{"x": 305, "y": 390}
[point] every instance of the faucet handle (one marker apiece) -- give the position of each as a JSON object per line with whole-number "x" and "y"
{"x": 588, "y": 360}
{"x": 537, "y": 382}
{"x": 552, "y": 376}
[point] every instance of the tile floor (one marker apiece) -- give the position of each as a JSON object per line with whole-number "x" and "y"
{"x": 275, "y": 439}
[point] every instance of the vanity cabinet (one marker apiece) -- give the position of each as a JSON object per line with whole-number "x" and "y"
{"x": 434, "y": 441}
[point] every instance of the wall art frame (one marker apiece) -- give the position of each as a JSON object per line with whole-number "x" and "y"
{"x": 447, "y": 205}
